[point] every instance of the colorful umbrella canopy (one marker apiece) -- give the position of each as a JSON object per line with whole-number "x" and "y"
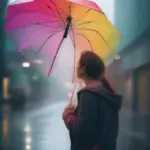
{"x": 87, "y": 3}
{"x": 39, "y": 29}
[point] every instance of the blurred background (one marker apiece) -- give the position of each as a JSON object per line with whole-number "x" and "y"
{"x": 31, "y": 103}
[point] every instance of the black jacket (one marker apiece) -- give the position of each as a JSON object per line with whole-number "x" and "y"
{"x": 94, "y": 124}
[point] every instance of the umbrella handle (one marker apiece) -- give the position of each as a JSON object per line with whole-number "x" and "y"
{"x": 71, "y": 100}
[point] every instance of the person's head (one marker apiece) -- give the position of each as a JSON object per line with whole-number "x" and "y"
{"x": 92, "y": 67}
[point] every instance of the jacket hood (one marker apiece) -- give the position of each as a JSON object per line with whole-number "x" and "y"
{"x": 111, "y": 98}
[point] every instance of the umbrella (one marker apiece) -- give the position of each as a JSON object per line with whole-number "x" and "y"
{"x": 48, "y": 29}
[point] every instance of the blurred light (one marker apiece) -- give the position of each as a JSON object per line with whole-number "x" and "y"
{"x": 35, "y": 77}
{"x": 28, "y": 147}
{"x": 27, "y": 128}
{"x": 5, "y": 88}
{"x": 25, "y": 64}
{"x": 5, "y": 127}
{"x": 28, "y": 140}
{"x": 70, "y": 94}
{"x": 117, "y": 57}
{"x": 38, "y": 61}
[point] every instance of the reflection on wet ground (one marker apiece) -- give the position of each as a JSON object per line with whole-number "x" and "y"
{"x": 40, "y": 128}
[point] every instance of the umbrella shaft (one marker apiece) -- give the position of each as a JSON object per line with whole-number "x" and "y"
{"x": 65, "y": 36}
{"x": 67, "y": 27}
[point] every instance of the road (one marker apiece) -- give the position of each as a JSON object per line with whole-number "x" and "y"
{"x": 40, "y": 128}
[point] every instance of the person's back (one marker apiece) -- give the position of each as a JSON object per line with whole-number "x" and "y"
{"x": 109, "y": 119}
{"x": 104, "y": 110}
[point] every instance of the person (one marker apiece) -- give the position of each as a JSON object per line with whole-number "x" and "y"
{"x": 93, "y": 124}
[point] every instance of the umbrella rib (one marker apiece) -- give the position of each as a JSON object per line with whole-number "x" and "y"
{"x": 55, "y": 56}
{"x": 81, "y": 16}
{"x": 73, "y": 36}
{"x": 64, "y": 37}
{"x": 22, "y": 48}
{"x": 83, "y": 23}
{"x": 58, "y": 11}
{"x": 32, "y": 12}
{"x": 40, "y": 24}
{"x": 87, "y": 40}
{"x": 70, "y": 9}
{"x": 46, "y": 41}
{"x": 48, "y": 8}
{"x": 92, "y": 30}
{"x": 59, "y": 8}
{"x": 73, "y": 93}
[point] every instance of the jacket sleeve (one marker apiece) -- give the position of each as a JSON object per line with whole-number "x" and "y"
{"x": 84, "y": 124}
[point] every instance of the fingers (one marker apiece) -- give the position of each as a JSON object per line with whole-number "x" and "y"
{"x": 70, "y": 106}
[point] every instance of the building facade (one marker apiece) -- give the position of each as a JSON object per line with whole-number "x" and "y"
{"x": 132, "y": 73}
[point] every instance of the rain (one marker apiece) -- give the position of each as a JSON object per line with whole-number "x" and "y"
{"x": 35, "y": 89}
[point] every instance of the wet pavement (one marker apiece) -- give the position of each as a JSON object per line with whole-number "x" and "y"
{"x": 41, "y": 127}
{"x": 38, "y": 128}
